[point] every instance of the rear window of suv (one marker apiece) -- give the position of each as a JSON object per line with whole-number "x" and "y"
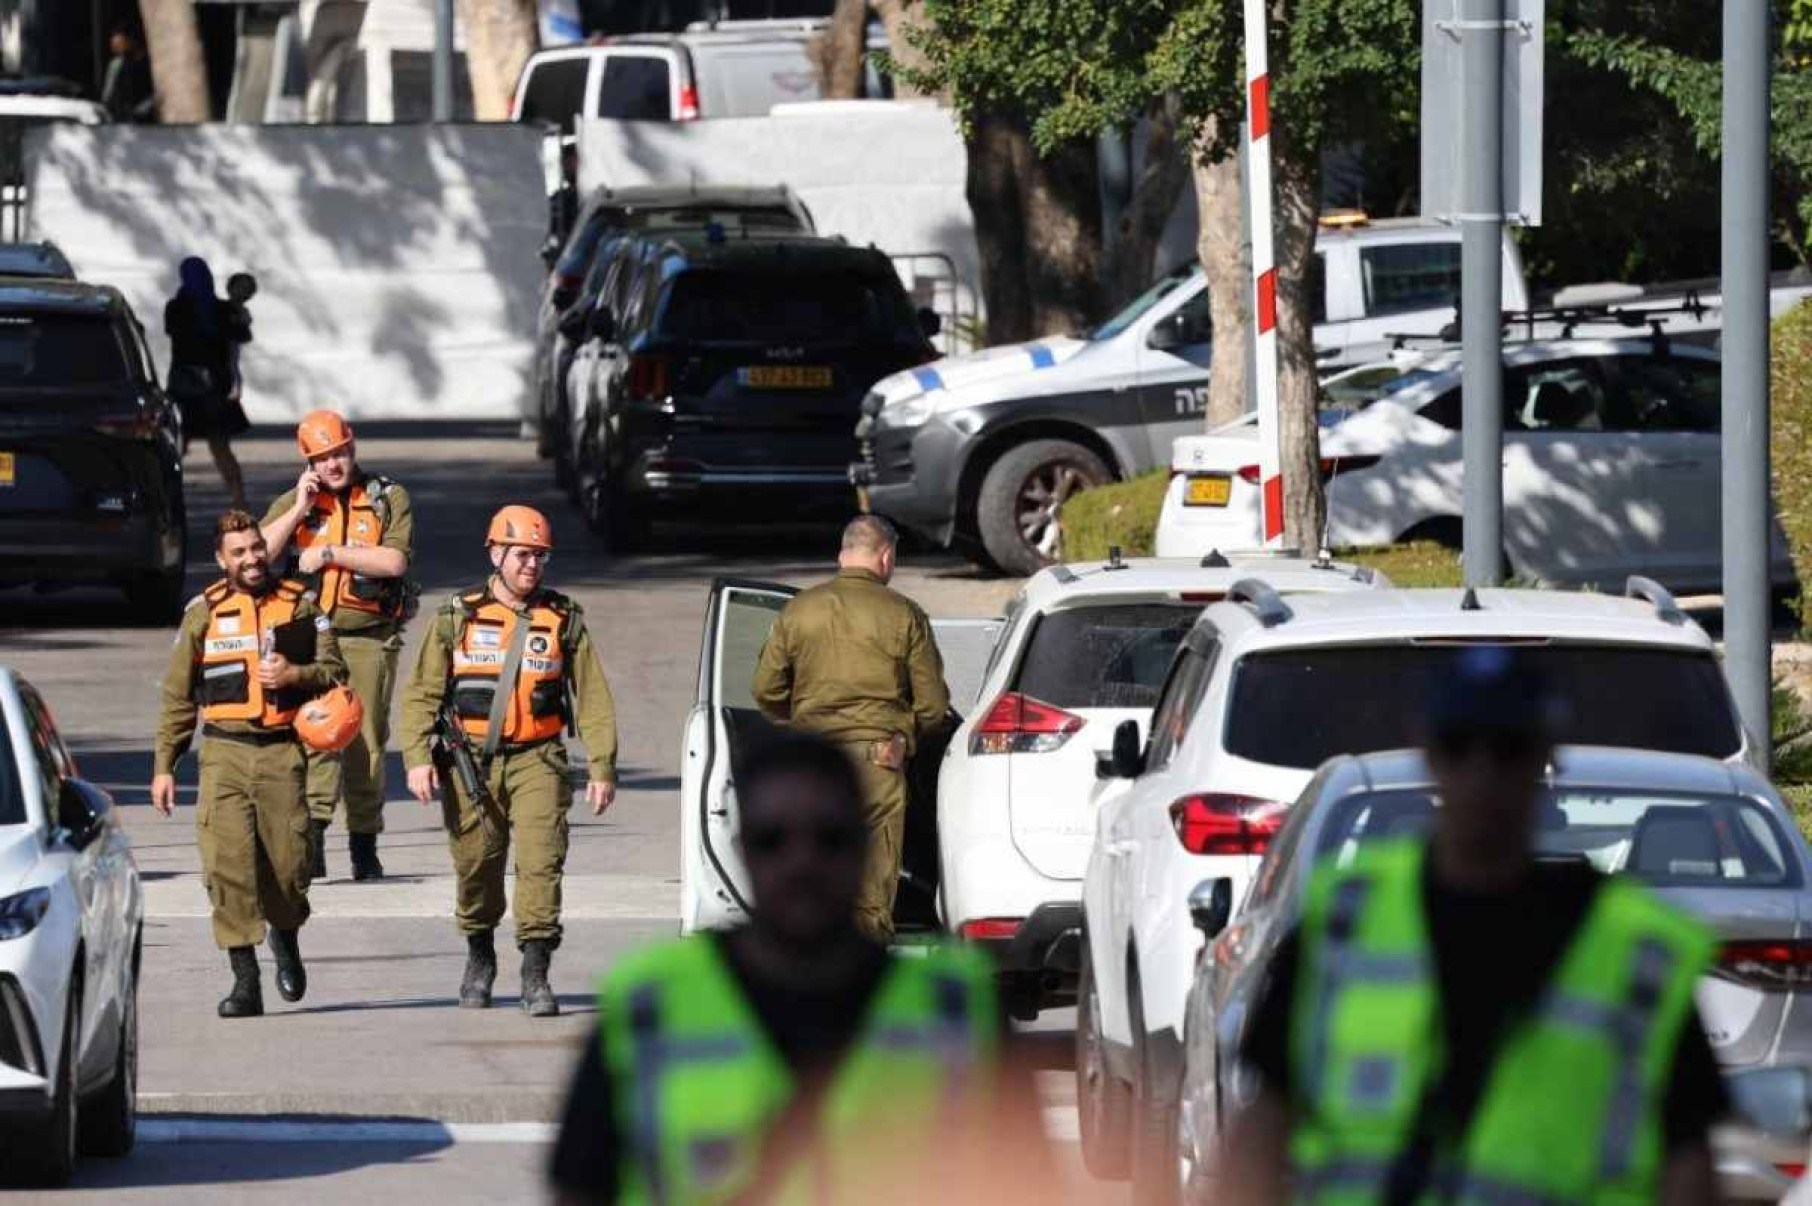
{"x": 1300, "y": 707}
{"x": 1103, "y": 657}
{"x": 49, "y": 350}
{"x": 810, "y": 307}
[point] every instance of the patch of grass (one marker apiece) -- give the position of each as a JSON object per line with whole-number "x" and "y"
{"x": 1422, "y": 563}
{"x": 1125, "y": 513}
{"x": 1791, "y": 439}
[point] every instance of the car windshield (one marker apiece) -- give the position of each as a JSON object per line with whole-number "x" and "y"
{"x": 48, "y": 350}
{"x": 1113, "y": 656}
{"x": 717, "y": 306}
{"x": 1139, "y": 305}
{"x": 1668, "y": 839}
{"x": 1296, "y": 707}
{"x": 12, "y": 795}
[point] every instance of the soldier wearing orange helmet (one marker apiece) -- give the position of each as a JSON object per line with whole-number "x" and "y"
{"x": 348, "y": 533}
{"x": 513, "y": 666}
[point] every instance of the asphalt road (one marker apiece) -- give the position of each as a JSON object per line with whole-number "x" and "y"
{"x": 377, "y": 1087}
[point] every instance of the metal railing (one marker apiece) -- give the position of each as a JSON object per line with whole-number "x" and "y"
{"x": 931, "y": 277}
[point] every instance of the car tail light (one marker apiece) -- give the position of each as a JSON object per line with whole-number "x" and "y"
{"x": 688, "y": 103}
{"x": 1215, "y": 823}
{"x": 1792, "y": 1170}
{"x": 139, "y": 426}
{"x": 1772, "y": 966}
{"x": 647, "y": 376}
{"x": 1019, "y": 724}
{"x": 1331, "y": 467}
{"x": 985, "y": 928}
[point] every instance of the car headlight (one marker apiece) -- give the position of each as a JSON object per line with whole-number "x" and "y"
{"x": 20, "y": 914}
{"x": 911, "y": 413}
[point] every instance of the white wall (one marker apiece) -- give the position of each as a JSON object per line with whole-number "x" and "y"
{"x": 397, "y": 265}
{"x": 887, "y": 174}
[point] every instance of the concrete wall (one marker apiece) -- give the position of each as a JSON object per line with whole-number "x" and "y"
{"x": 873, "y": 172}
{"x": 397, "y": 265}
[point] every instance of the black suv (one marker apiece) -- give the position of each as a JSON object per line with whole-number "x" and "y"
{"x": 732, "y": 376}
{"x": 90, "y": 449}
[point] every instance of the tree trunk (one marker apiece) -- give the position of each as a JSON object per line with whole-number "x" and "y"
{"x": 900, "y": 18}
{"x": 500, "y": 37}
{"x": 998, "y": 153}
{"x": 178, "y": 70}
{"x": 1154, "y": 198}
{"x": 1220, "y": 244}
{"x": 1061, "y": 202}
{"x": 837, "y": 52}
{"x": 1297, "y": 188}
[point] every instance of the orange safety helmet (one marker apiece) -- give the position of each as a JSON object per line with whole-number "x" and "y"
{"x": 329, "y": 723}
{"x": 520, "y": 525}
{"x": 322, "y": 431}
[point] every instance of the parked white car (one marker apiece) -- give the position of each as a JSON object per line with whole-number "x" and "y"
{"x": 71, "y": 913}
{"x": 1264, "y": 691}
{"x": 1083, "y": 648}
{"x": 1611, "y": 468}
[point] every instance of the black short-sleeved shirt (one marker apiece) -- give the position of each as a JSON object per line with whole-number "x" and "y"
{"x": 1492, "y": 956}
{"x": 810, "y": 1029}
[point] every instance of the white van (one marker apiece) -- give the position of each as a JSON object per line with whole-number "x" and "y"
{"x": 374, "y": 62}
{"x": 726, "y": 69}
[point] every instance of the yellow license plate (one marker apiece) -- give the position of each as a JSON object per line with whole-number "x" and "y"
{"x": 1208, "y": 491}
{"x": 9, "y": 473}
{"x": 787, "y": 376}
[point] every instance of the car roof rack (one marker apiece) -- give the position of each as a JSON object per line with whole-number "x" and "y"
{"x": 1568, "y": 316}
{"x": 1063, "y": 575}
{"x": 1658, "y": 596}
{"x": 1262, "y": 598}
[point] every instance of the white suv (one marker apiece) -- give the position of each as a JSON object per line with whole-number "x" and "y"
{"x": 1083, "y": 649}
{"x": 1262, "y": 693}
{"x": 1610, "y": 467}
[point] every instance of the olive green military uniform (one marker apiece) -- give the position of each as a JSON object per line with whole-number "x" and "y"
{"x": 251, "y": 817}
{"x": 530, "y": 788}
{"x": 370, "y": 644}
{"x": 856, "y": 662}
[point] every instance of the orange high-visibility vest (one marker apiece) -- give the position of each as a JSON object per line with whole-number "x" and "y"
{"x": 231, "y": 648}
{"x": 537, "y": 708}
{"x": 356, "y": 520}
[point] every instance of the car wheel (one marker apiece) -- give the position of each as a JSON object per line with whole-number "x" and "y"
{"x": 1154, "y": 1112}
{"x": 109, "y": 1119}
{"x": 1016, "y": 511}
{"x": 157, "y": 599}
{"x": 47, "y": 1156}
{"x": 1103, "y": 1102}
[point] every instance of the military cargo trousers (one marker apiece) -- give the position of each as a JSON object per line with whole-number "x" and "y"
{"x": 530, "y": 795}
{"x": 884, "y": 810}
{"x": 356, "y": 773}
{"x": 251, "y": 823}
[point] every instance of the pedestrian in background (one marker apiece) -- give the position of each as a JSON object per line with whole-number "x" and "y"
{"x": 507, "y": 669}
{"x": 856, "y": 662}
{"x": 348, "y": 537}
{"x": 1457, "y": 1021}
{"x": 795, "y": 1058}
{"x": 203, "y": 372}
{"x": 126, "y": 88}
{"x": 252, "y": 649}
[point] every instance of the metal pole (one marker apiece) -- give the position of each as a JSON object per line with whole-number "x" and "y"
{"x": 1481, "y": 289}
{"x": 1745, "y": 440}
{"x": 443, "y": 60}
{"x": 1250, "y": 401}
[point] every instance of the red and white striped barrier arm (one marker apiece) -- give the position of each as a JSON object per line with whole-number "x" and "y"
{"x": 1264, "y": 271}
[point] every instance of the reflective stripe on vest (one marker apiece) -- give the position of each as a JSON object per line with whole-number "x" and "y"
{"x": 1571, "y": 1109}
{"x": 699, "y": 1086}
{"x": 231, "y": 648}
{"x": 538, "y": 705}
{"x": 354, "y": 521}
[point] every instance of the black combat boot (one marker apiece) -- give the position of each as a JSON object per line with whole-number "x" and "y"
{"x": 365, "y": 863}
{"x": 317, "y": 850}
{"x": 292, "y": 977}
{"x": 247, "y": 998}
{"x": 537, "y": 998}
{"x": 481, "y": 971}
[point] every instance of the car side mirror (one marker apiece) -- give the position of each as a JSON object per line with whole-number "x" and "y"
{"x": 1776, "y": 1101}
{"x": 1211, "y": 906}
{"x": 1167, "y": 335}
{"x": 602, "y": 324}
{"x": 930, "y": 322}
{"x": 1128, "y": 758}
{"x": 82, "y": 810}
